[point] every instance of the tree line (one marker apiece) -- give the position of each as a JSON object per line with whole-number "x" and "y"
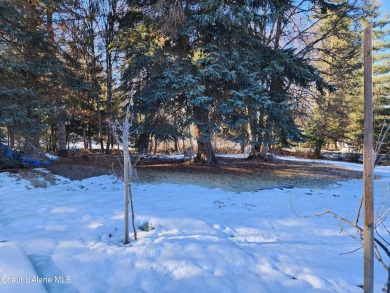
{"x": 267, "y": 73}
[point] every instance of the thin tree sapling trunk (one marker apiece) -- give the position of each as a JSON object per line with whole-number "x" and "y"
{"x": 123, "y": 140}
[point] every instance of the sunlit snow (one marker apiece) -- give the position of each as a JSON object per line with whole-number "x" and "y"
{"x": 68, "y": 238}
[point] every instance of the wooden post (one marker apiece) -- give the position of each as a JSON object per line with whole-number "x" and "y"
{"x": 368, "y": 166}
{"x": 126, "y": 159}
{"x": 126, "y": 173}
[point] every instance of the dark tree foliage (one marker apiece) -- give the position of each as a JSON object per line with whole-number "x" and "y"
{"x": 229, "y": 68}
{"x": 26, "y": 63}
{"x": 211, "y": 59}
{"x": 30, "y": 71}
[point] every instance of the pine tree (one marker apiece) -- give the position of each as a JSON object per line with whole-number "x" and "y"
{"x": 150, "y": 68}
{"x": 212, "y": 57}
{"x": 81, "y": 38}
{"x": 27, "y": 67}
{"x": 231, "y": 65}
{"x": 381, "y": 79}
{"x": 110, "y": 13}
{"x": 381, "y": 68}
{"x": 338, "y": 58}
{"x": 338, "y": 116}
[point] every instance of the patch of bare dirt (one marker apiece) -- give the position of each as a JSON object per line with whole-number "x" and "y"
{"x": 36, "y": 177}
{"x": 230, "y": 174}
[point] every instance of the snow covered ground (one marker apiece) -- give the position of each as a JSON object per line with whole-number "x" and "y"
{"x": 67, "y": 238}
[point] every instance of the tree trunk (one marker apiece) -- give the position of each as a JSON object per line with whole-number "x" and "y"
{"x": 263, "y": 151}
{"x": 100, "y": 124}
{"x": 155, "y": 146}
{"x": 253, "y": 129}
{"x": 52, "y": 140}
{"x": 110, "y": 33}
{"x": 109, "y": 96}
{"x": 176, "y": 145}
{"x": 203, "y": 137}
{"x": 61, "y": 135}
{"x": 85, "y": 138}
{"x": 109, "y": 141}
{"x": 318, "y": 147}
{"x": 205, "y": 152}
{"x": 242, "y": 147}
{"x": 60, "y": 109}
{"x": 11, "y": 137}
{"x": 143, "y": 143}
{"x": 97, "y": 99}
{"x": 95, "y": 93}
{"x": 90, "y": 141}
{"x": 264, "y": 140}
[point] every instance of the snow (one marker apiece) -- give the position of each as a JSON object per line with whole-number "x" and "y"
{"x": 67, "y": 238}
{"x": 16, "y": 270}
{"x": 379, "y": 170}
{"x": 52, "y": 157}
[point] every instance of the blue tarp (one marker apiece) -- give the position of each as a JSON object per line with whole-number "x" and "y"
{"x": 29, "y": 160}
{"x": 33, "y": 162}
{"x": 9, "y": 153}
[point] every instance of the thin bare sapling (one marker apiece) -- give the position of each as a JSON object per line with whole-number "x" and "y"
{"x": 122, "y": 132}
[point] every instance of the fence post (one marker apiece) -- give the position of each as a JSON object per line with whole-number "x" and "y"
{"x": 368, "y": 165}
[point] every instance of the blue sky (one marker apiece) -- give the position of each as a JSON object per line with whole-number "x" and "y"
{"x": 386, "y": 5}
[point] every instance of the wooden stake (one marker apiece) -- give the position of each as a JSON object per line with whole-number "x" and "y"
{"x": 126, "y": 159}
{"x": 368, "y": 166}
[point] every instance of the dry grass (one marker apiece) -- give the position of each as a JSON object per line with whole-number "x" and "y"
{"x": 237, "y": 175}
{"x": 36, "y": 177}
{"x": 230, "y": 174}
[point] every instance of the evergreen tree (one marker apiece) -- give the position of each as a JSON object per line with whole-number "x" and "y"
{"x": 381, "y": 79}
{"x": 110, "y": 13}
{"x": 338, "y": 58}
{"x": 81, "y": 39}
{"x": 35, "y": 74}
{"x": 150, "y": 64}
{"x": 211, "y": 56}
{"x": 381, "y": 68}
{"x": 339, "y": 116}
{"x": 27, "y": 68}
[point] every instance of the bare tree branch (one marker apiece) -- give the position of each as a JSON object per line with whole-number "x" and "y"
{"x": 359, "y": 209}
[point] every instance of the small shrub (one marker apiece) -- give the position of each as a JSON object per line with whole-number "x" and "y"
{"x": 282, "y": 152}
{"x": 305, "y": 154}
{"x": 352, "y": 157}
{"x": 146, "y": 227}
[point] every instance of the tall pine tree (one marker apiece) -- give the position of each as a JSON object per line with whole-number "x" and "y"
{"x": 338, "y": 57}
{"x": 28, "y": 66}
{"x": 211, "y": 58}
